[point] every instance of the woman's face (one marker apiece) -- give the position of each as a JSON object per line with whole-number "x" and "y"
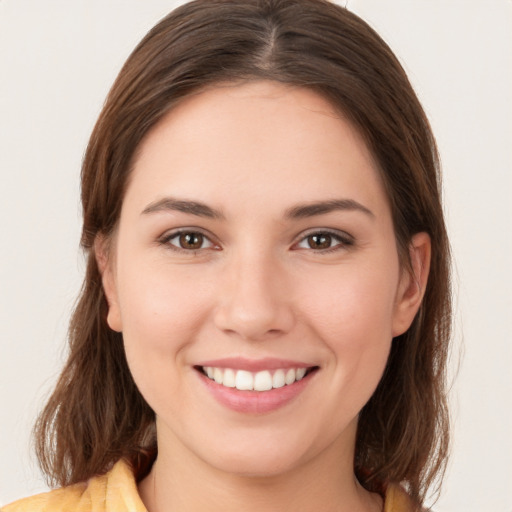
{"x": 256, "y": 245}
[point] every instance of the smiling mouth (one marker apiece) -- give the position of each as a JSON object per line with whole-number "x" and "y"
{"x": 265, "y": 380}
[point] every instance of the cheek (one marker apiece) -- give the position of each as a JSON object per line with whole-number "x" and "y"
{"x": 158, "y": 306}
{"x": 161, "y": 314}
{"x": 351, "y": 303}
{"x": 161, "y": 310}
{"x": 353, "y": 316}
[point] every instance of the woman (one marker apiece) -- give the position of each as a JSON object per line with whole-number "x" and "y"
{"x": 265, "y": 317}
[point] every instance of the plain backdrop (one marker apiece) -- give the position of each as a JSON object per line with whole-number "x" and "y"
{"x": 58, "y": 59}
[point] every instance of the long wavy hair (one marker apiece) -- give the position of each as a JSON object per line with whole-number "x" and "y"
{"x": 96, "y": 414}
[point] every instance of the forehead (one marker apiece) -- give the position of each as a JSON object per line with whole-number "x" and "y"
{"x": 255, "y": 140}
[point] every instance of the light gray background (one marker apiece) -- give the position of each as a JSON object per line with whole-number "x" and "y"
{"x": 58, "y": 59}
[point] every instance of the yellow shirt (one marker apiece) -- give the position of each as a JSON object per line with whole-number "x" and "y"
{"x": 116, "y": 491}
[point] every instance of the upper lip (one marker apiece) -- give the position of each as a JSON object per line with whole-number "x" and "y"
{"x": 254, "y": 365}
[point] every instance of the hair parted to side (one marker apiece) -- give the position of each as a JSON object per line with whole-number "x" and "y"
{"x": 96, "y": 415}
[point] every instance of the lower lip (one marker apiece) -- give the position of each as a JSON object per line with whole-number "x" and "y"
{"x": 255, "y": 402}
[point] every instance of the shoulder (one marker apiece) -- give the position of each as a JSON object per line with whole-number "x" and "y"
{"x": 397, "y": 500}
{"x": 117, "y": 487}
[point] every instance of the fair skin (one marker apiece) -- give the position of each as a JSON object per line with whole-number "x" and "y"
{"x": 219, "y": 263}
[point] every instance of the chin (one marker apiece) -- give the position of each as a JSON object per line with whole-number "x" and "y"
{"x": 265, "y": 464}
{"x": 264, "y": 454}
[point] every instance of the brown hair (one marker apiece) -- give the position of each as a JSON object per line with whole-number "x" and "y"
{"x": 96, "y": 415}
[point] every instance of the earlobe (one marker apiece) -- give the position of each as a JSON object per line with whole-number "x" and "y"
{"x": 412, "y": 284}
{"x": 102, "y": 251}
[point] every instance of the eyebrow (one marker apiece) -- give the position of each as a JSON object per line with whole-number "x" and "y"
{"x": 184, "y": 206}
{"x": 297, "y": 212}
{"x": 323, "y": 207}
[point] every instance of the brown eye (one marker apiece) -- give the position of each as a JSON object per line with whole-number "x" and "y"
{"x": 319, "y": 241}
{"x": 188, "y": 241}
{"x": 191, "y": 241}
{"x": 324, "y": 242}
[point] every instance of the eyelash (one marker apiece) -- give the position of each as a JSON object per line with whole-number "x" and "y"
{"x": 166, "y": 240}
{"x": 344, "y": 241}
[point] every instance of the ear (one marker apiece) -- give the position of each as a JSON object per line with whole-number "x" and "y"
{"x": 105, "y": 261}
{"x": 413, "y": 283}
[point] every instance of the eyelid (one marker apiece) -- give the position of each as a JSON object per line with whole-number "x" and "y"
{"x": 344, "y": 239}
{"x": 173, "y": 233}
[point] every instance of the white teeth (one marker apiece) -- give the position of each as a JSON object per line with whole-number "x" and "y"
{"x": 259, "y": 381}
{"x": 290, "y": 376}
{"x": 244, "y": 380}
{"x": 229, "y": 378}
{"x": 299, "y": 374}
{"x": 278, "y": 379}
{"x": 218, "y": 375}
{"x": 262, "y": 381}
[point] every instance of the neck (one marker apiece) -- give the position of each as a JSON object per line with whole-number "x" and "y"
{"x": 182, "y": 482}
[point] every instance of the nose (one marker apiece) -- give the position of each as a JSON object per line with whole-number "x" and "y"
{"x": 254, "y": 300}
